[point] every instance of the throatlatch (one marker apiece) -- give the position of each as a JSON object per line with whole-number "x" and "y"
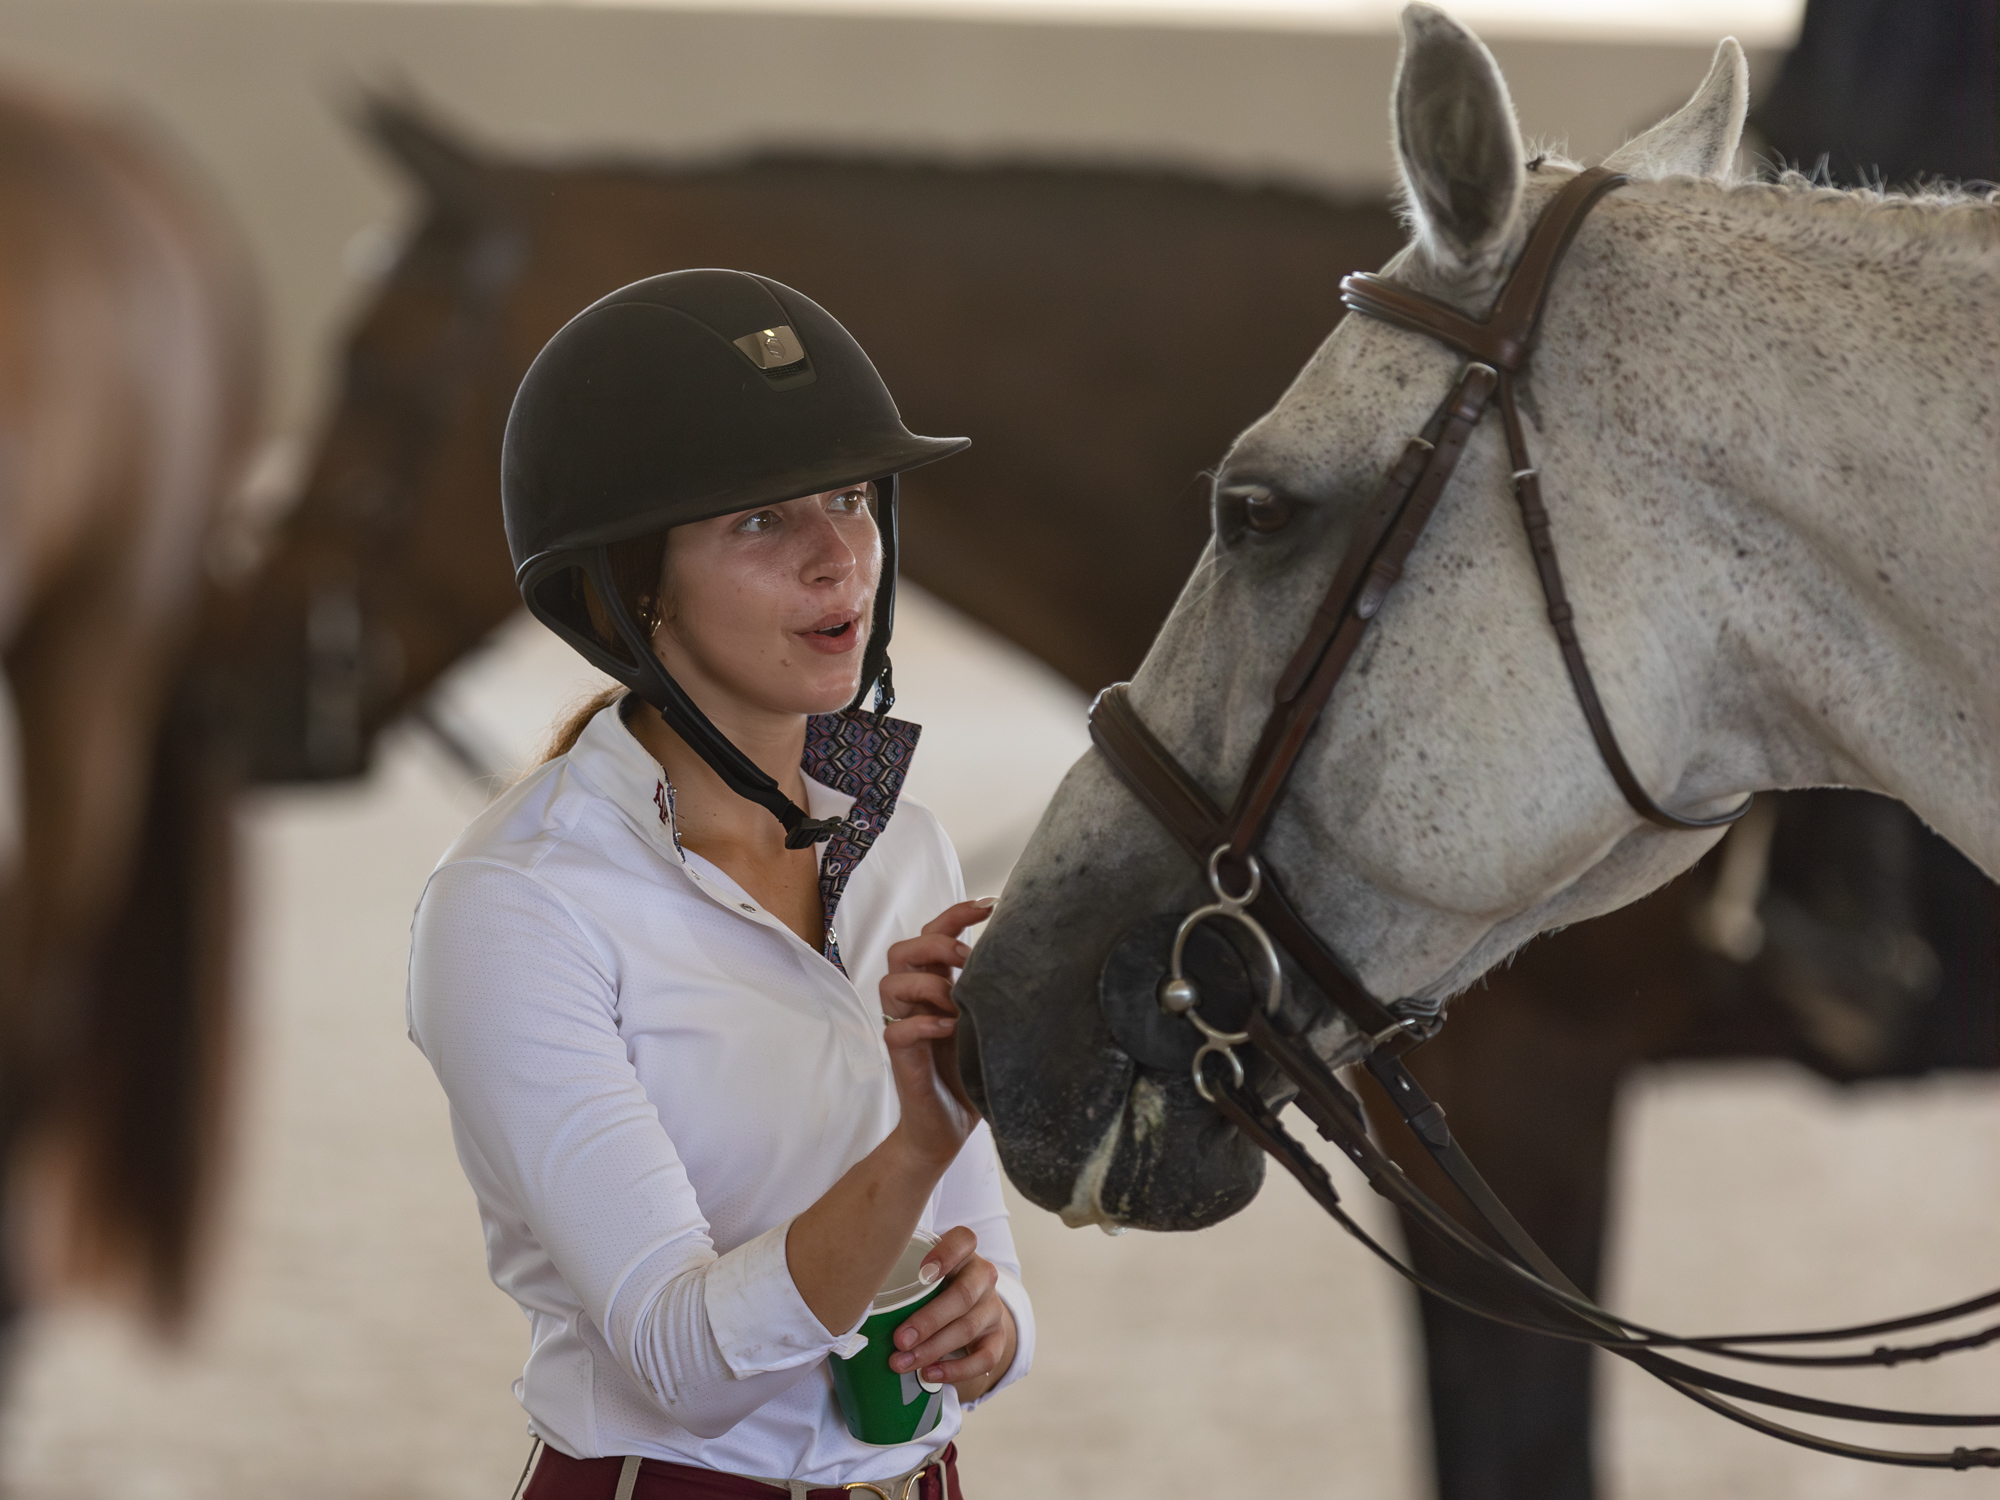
{"x": 1251, "y": 902}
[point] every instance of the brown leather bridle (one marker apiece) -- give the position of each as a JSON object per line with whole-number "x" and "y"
{"x": 1224, "y": 844}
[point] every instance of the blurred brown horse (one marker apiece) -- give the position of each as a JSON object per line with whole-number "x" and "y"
{"x": 1094, "y": 328}
{"x": 1104, "y": 335}
{"x": 128, "y": 397}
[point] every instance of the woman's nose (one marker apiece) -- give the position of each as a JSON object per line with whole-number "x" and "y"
{"x": 829, "y": 557}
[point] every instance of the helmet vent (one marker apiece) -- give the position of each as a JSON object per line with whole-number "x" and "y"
{"x": 772, "y": 349}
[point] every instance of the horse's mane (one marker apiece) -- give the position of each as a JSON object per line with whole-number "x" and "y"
{"x": 1938, "y": 213}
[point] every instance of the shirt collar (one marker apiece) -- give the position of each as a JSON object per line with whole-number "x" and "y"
{"x": 854, "y": 764}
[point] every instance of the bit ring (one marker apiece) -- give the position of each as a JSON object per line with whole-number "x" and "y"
{"x": 1180, "y": 995}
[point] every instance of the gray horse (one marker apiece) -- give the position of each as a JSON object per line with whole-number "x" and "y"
{"x": 1764, "y": 415}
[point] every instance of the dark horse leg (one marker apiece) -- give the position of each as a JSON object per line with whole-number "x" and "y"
{"x": 148, "y": 1107}
{"x": 1529, "y": 1070}
{"x": 114, "y": 1086}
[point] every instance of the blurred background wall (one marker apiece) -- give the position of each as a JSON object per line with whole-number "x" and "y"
{"x": 256, "y": 91}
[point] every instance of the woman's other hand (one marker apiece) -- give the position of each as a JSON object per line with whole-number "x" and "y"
{"x": 964, "y": 1336}
{"x": 923, "y": 1023}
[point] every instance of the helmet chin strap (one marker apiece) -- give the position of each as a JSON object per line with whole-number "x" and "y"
{"x": 739, "y": 773}
{"x": 882, "y": 624}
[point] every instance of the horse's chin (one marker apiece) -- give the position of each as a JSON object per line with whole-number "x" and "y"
{"x": 1082, "y": 1130}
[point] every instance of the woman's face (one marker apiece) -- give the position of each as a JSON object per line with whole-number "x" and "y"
{"x": 771, "y": 607}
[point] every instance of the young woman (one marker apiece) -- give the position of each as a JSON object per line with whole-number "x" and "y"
{"x": 688, "y": 985}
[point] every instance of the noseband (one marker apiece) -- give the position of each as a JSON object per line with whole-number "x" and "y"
{"x": 1251, "y": 900}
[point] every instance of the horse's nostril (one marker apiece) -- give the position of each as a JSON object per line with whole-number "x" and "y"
{"x": 1143, "y": 1004}
{"x": 969, "y": 1071}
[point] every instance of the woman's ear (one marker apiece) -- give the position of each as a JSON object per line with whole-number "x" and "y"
{"x": 1458, "y": 145}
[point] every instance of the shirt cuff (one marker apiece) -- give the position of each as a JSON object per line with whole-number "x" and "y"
{"x": 1015, "y": 1296}
{"x": 759, "y": 1320}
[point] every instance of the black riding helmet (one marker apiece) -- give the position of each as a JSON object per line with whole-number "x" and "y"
{"x": 672, "y": 400}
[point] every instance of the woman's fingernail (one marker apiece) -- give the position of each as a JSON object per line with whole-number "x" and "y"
{"x": 989, "y": 902}
{"x": 935, "y": 1374}
{"x": 947, "y": 1024}
{"x": 929, "y": 1271}
{"x": 964, "y": 951}
{"x": 901, "y": 1362}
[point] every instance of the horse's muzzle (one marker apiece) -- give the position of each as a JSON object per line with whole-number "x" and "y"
{"x": 1091, "y": 1098}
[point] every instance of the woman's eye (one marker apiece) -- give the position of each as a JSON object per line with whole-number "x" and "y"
{"x": 758, "y": 521}
{"x": 849, "y": 502}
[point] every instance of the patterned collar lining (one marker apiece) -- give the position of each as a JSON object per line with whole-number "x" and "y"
{"x": 864, "y": 756}
{"x": 854, "y": 754}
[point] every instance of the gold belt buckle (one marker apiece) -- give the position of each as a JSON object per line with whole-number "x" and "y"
{"x": 909, "y": 1484}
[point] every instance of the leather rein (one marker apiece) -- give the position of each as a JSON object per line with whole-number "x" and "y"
{"x": 1542, "y": 1299}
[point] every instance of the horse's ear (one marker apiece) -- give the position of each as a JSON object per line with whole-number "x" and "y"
{"x": 453, "y": 176}
{"x": 1700, "y": 139}
{"x": 1458, "y": 144}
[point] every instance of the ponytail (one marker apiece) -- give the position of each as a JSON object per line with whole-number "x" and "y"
{"x": 569, "y": 729}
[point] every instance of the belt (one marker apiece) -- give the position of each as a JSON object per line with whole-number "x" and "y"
{"x": 557, "y": 1476}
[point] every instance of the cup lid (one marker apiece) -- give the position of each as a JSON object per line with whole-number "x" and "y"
{"x": 901, "y": 1286}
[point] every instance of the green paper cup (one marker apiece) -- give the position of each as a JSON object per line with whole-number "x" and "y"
{"x": 884, "y": 1406}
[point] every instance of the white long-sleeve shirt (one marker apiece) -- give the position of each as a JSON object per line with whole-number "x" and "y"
{"x": 650, "y": 1076}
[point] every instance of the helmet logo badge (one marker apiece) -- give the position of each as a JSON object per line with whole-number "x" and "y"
{"x": 772, "y": 348}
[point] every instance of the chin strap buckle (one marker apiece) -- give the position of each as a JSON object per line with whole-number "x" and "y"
{"x": 805, "y": 832}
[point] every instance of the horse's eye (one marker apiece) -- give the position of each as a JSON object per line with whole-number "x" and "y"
{"x": 1263, "y": 510}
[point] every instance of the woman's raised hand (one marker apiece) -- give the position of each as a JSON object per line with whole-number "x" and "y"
{"x": 921, "y": 1034}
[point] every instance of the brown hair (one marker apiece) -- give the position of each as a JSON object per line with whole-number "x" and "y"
{"x": 569, "y": 728}
{"x": 635, "y": 573}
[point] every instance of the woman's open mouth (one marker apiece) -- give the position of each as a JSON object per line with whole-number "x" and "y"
{"x": 835, "y": 635}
